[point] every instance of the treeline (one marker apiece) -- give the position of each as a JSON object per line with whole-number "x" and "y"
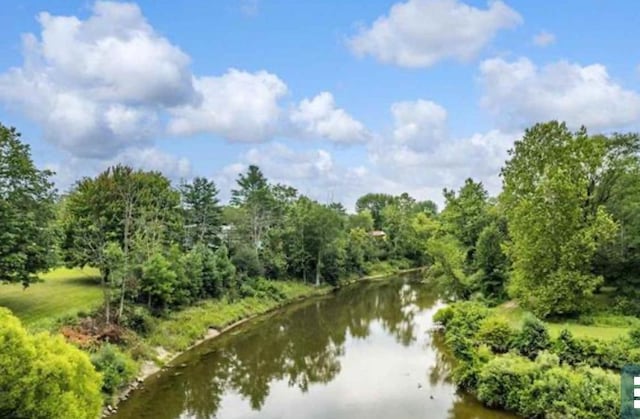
{"x": 165, "y": 246}
{"x": 564, "y": 227}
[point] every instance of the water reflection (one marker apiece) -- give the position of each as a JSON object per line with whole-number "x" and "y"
{"x": 362, "y": 353}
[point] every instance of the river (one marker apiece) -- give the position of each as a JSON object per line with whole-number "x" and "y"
{"x": 364, "y": 352}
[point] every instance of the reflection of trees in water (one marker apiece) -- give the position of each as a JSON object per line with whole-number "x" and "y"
{"x": 302, "y": 347}
{"x": 440, "y": 371}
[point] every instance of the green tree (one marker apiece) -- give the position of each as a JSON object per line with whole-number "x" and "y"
{"x": 131, "y": 208}
{"x": 465, "y": 214}
{"x": 26, "y": 212}
{"x": 202, "y": 212}
{"x": 43, "y": 376}
{"x": 491, "y": 262}
{"x": 159, "y": 280}
{"x": 375, "y": 203}
{"x": 555, "y": 229}
{"x": 254, "y": 196}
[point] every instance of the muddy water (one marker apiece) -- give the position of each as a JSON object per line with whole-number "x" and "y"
{"x": 364, "y": 352}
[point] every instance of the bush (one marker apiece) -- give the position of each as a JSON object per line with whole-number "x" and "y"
{"x": 502, "y": 380}
{"x": 465, "y": 318}
{"x": 261, "y": 288}
{"x": 43, "y": 376}
{"x": 634, "y": 335}
{"x": 545, "y": 389}
{"x": 116, "y": 367}
{"x": 595, "y": 352}
{"x": 533, "y": 338}
{"x": 497, "y": 334}
{"x": 139, "y": 320}
{"x": 247, "y": 262}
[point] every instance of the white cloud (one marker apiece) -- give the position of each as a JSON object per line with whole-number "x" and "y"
{"x": 420, "y": 124}
{"x": 425, "y": 173}
{"x": 320, "y": 118}
{"x": 419, "y": 33}
{"x": 238, "y": 105}
{"x": 72, "y": 168}
{"x": 518, "y": 93}
{"x": 314, "y": 172}
{"x": 543, "y": 39}
{"x": 94, "y": 85}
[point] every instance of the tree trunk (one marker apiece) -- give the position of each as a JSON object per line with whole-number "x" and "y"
{"x": 318, "y": 270}
{"x": 127, "y": 221}
{"x": 104, "y": 279}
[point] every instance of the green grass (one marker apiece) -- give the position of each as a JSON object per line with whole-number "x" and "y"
{"x": 182, "y": 328}
{"x": 63, "y": 292}
{"x": 600, "y": 329}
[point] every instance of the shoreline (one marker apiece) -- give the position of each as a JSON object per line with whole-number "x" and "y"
{"x": 150, "y": 368}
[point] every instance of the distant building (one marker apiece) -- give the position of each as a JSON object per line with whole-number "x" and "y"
{"x": 378, "y": 233}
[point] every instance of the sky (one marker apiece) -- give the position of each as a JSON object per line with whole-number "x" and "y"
{"x": 336, "y": 98}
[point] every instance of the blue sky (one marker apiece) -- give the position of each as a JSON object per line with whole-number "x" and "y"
{"x": 336, "y": 98}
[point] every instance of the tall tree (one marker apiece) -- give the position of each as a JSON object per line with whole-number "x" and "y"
{"x": 202, "y": 212}
{"x": 26, "y": 212}
{"x": 255, "y": 198}
{"x": 122, "y": 206}
{"x": 554, "y": 227}
{"x": 465, "y": 213}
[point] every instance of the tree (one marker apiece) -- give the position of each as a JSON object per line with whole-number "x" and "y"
{"x": 26, "y": 212}
{"x": 255, "y": 197}
{"x": 43, "y": 376}
{"x": 465, "y": 214}
{"x": 137, "y": 210}
{"x": 375, "y": 203}
{"x": 158, "y": 280}
{"x": 491, "y": 261}
{"x": 362, "y": 220}
{"x": 554, "y": 226}
{"x": 202, "y": 212}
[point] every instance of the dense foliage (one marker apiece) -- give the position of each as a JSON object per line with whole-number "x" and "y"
{"x": 524, "y": 371}
{"x": 26, "y": 212}
{"x": 43, "y": 376}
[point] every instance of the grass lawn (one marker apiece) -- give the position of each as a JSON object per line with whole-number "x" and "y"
{"x": 63, "y": 292}
{"x": 515, "y": 315}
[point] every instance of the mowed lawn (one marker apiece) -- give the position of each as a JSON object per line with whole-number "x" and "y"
{"x": 63, "y": 292}
{"x": 516, "y": 315}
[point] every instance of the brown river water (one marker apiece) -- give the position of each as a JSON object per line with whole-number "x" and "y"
{"x": 363, "y": 352}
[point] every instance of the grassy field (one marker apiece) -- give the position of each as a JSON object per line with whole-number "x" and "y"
{"x": 63, "y": 292}
{"x": 515, "y": 315}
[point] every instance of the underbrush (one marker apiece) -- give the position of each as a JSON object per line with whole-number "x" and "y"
{"x": 523, "y": 369}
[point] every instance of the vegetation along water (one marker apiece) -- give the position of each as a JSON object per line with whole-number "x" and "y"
{"x": 533, "y": 292}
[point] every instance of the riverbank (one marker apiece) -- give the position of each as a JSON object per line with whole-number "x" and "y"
{"x": 188, "y": 328}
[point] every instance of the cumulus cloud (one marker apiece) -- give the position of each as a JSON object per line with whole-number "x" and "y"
{"x": 543, "y": 39}
{"x": 519, "y": 93}
{"x": 94, "y": 85}
{"x": 238, "y": 105}
{"x": 419, "y": 33}
{"x": 320, "y": 118}
{"x": 72, "y": 168}
{"x": 479, "y": 156}
{"x": 420, "y": 124}
{"x": 314, "y": 172}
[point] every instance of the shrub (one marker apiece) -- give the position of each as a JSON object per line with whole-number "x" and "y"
{"x": 545, "y": 389}
{"x": 43, "y": 376}
{"x": 116, "y": 367}
{"x": 247, "y": 262}
{"x": 496, "y": 333}
{"x": 139, "y": 319}
{"x": 502, "y": 380}
{"x": 464, "y": 318}
{"x": 261, "y": 288}
{"x": 533, "y": 338}
{"x": 634, "y": 335}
